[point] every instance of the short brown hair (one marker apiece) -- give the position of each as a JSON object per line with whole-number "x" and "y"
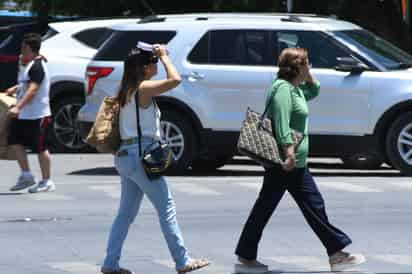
{"x": 33, "y": 40}
{"x": 289, "y": 61}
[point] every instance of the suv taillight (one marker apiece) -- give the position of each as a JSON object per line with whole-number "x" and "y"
{"x": 93, "y": 74}
{"x": 9, "y": 58}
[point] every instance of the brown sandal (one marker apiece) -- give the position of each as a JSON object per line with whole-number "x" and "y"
{"x": 120, "y": 271}
{"x": 194, "y": 264}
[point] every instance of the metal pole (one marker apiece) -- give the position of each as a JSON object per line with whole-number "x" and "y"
{"x": 290, "y": 5}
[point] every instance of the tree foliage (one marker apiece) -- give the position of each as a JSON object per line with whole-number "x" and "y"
{"x": 136, "y": 7}
{"x": 380, "y": 16}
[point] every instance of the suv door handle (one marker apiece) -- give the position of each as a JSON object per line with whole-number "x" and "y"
{"x": 194, "y": 76}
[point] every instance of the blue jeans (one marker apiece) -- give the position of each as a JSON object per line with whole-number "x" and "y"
{"x": 134, "y": 184}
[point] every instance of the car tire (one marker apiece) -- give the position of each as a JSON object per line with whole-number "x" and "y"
{"x": 362, "y": 161}
{"x": 178, "y": 133}
{"x": 210, "y": 165}
{"x": 65, "y": 133}
{"x": 399, "y": 143}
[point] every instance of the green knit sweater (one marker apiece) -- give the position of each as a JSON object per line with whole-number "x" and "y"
{"x": 289, "y": 104}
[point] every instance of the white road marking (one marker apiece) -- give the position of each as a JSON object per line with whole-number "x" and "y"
{"x": 111, "y": 191}
{"x": 165, "y": 263}
{"x": 395, "y": 259}
{"x": 310, "y": 263}
{"x": 254, "y": 186}
{"x": 195, "y": 189}
{"x": 50, "y": 196}
{"x": 76, "y": 267}
{"x": 348, "y": 187}
{"x": 403, "y": 185}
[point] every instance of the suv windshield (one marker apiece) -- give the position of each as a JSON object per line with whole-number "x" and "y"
{"x": 383, "y": 52}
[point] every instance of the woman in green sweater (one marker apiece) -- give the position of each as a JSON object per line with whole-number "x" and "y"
{"x": 289, "y": 111}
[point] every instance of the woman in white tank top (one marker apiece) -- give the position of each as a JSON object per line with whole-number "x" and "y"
{"x": 139, "y": 67}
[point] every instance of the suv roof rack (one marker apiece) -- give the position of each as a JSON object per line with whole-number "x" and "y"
{"x": 293, "y": 18}
{"x": 151, "y": 19}
{"x": 91, "y": 18}
{"x": 288, "y": 17}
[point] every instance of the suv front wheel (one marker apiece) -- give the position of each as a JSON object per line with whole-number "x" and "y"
{"x": 399, "y": 143}
{"x": 178, "y": 133}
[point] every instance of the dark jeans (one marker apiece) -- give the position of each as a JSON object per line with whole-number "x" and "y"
{"x": 304, "y": 191}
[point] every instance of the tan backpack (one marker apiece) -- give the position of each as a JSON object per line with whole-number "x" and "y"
{"x": 105, "y": 135}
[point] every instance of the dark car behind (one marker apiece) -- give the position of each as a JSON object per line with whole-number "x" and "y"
{"x": 10, "y": 41}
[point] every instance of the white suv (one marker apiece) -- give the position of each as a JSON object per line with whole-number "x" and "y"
{"x": 228, "y": 61}
{"x": 68, "y": 47}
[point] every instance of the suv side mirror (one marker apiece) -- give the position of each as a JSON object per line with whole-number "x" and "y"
{"x": 349, "y": 64}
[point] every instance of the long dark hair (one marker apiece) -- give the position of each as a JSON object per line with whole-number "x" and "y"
{"x": 133, "y": 74}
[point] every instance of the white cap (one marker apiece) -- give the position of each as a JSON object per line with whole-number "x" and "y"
{"x": 144, "y": 46}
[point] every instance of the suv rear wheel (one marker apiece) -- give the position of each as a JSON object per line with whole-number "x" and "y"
{"x": 178, "y": 133}
{"x": 399, "y": 143}
{"x": 65, "y": 134}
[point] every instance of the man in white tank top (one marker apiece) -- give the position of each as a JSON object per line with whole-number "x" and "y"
{"x": 31, "y": 115}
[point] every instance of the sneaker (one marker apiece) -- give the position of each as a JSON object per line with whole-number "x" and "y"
{"x": 23, "y": 182}
{"x": 341, "y": 261}
{"x": 250, "y": 267}
{"x": 43, "y": 186}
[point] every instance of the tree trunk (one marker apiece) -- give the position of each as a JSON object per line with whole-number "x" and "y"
{"x": 43, "y": 7}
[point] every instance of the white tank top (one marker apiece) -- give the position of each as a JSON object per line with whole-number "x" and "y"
{"x": 149, "y": 121}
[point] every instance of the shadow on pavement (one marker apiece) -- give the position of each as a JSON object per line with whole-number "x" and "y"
{"x": 10, "y": 193}
{"x": 321, "y": 272}
{"x": 356, "y": 174}
{"x": 95, "y": 171}
{"x": 318, "y": 169}
{"x": 110, "y": 171}
{"x": 311, "y": 165}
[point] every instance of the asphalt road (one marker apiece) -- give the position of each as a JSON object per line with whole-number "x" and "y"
{"x": 66, "y": 231}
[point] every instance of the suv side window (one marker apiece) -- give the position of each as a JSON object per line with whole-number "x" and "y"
{"x": 93, "y": 38}
{"x": 323, "y": 51}
{"x": 232, "y": 47}
{"x": 120, "y": 43}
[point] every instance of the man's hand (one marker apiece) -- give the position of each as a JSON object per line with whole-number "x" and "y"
{"x": 13, "y": 112}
